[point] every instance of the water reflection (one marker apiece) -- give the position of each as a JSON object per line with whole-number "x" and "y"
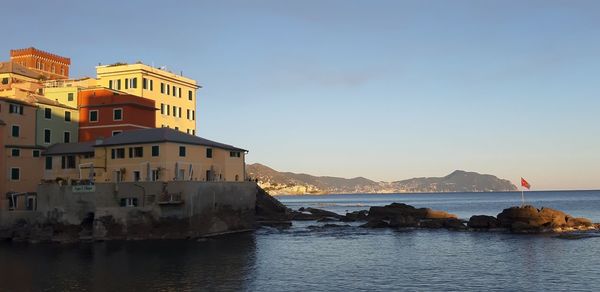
{"x": 216, "y": 264}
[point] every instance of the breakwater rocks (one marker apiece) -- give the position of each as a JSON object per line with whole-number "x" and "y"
{"x": 524, "y": 219}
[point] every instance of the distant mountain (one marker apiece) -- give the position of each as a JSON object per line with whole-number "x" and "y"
{"x": 288, "y": 183}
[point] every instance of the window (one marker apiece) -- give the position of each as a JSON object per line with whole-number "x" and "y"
{"x": 36, "y": 153}
{"x": 94, "y": 116}
{"x": 190, "y": 95}
{"x": 155, "y": 174}
{"x": 136, "y": 152}
{"x": 187, "y": 131}
{"x": 194, "y": 132}
{"x": 162, "y": 87}
{"x": 174, "y": 111}
{"x": 15, "y": 152}
{"x": 144, "y": 83}
{"x": 70, "y": 96}
{"x": 119, "y": 84}
{"x": 182, "y": 151}
{"x": 193, "y": 115}
{"x": 168, "y": 109}
{"x": 16, "y": 131}
{"x": 179, "y": 92}
{"x": 118, "y": 176}
{"x": 62, "y": 70}
{"x": 67, "y": 116}
{"x": 15, "y": 173}
{"x": 136, "y": 175}
{"x": 117, "y": 153}
{"x": 117, "y": 132}
{"x": 47, "y": 136}
{"x": 129, "y": 202}
{"x": 126, "y": 83}
{"x": 53, "y": 69}
{"x": 155, "y": 150}
{"x": 162, "y": 108}
{"x": 151, "y": 85}
{"x": 168, "y": 89}
{"x": 48, "y": 162}
{"x": 67, "y": 137}
{"x": 15, "y": 109}
{"x": 133, "y": 83}
{"x": 67, "y": 162}
{"x": 117, "y": 114}
{"x": 4, "y": 80}
{"x": 234, "y": 154}
{"x": 188, "y": 114}
{"x": 208, "y": 152}
{"x": 174, "y": 91}
{"x": 110, "y": 84}
{"x": 180, "y": 112}
{"x": 48, "y": 113}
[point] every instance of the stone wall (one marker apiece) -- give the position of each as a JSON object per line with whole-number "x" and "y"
{"x": 182, "y": 209}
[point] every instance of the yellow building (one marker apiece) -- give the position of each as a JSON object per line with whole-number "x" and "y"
{"x": 174, "y": 94}
{"x": 66, "y": 91}
{"x": 160, "y": 154}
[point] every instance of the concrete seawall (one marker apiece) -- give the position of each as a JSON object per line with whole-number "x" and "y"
{"x": 144, "y": 210}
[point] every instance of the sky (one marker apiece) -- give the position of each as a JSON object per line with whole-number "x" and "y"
{"x": 387, "y": 90}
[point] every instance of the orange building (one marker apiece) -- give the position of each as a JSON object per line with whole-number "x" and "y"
{"x": 104, "y": 113}
{"x": 50, "y": 65}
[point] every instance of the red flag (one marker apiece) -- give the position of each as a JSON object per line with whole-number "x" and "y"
{"x": 525, "y": 184}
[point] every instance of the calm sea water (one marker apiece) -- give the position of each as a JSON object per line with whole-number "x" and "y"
{"x": 335, "y": 259}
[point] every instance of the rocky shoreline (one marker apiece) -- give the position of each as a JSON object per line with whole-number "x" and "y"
{"x": 518, "y": 219}
{"x": 268, "y": 211}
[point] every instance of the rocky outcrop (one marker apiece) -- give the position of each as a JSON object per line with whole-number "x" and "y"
{"x": 361, "y": 215}
{"x": 270, "y": 212}
{"x": 400, "y": 215}
{"x": 530, "y": 219}
{"x": 483, "y": 222}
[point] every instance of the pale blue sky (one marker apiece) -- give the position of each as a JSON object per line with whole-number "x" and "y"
{"x": 383, "y": 89}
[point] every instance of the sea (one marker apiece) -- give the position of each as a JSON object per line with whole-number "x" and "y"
{"x": 307, "y": 257}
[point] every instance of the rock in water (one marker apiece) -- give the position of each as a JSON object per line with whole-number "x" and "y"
{"x": 530, "y": 219}
{"x": 483, "y": 222}
{"x": 356, "y": 216}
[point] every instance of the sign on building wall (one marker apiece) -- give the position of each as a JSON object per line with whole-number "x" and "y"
{"x": 84, "y": 189}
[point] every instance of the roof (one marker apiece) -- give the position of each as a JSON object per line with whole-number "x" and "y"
{"x": 70, "y": 148}
{"x": 156, "y": 135}
{"x": 16, "y": 68}
{"x": 17, "y": 101}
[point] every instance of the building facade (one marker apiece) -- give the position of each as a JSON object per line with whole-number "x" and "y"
{"x": 20, "y": 165}
{"x": 55, "y": 122}
{"x": 51, "y": 66}
{"x": 175, "y": 95}
{"x": 104, "y": 113}
{"x": 67, "y": 91}
{"x": 160, "y": 154}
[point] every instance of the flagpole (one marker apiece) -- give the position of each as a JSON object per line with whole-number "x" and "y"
{"x": 522, "y": 197}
